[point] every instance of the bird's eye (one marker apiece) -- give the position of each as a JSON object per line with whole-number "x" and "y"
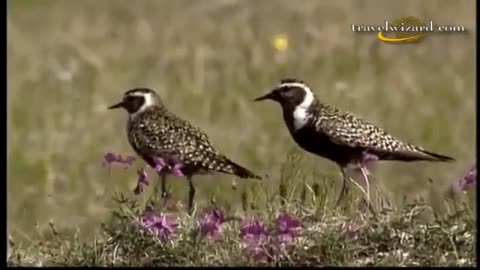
{"x": 286, "y": 90}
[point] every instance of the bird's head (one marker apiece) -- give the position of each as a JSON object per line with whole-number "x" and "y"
{"x": 137, "y": 100}
{"x": 290, "y": 93}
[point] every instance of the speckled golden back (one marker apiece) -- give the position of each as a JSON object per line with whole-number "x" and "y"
{"x": 156, "y": 131}
{"x": 345, "y": 128}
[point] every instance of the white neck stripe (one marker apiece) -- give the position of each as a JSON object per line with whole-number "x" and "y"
{"x": 300, "y": 114}
{"x": 299, "y": 85}
{"x": 149, "y": 101}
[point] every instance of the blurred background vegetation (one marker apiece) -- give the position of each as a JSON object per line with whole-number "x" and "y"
{"x": 69, "y": 60}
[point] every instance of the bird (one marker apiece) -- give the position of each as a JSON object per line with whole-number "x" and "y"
{"x": 170, "y": 144}
{"x": 339, "y": 136}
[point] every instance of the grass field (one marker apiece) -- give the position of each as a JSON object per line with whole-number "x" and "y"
{"x": 68, "y": 61}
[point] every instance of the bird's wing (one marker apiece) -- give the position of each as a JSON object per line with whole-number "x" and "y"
{"x": 193, "y": 147}
{"x": 197, "y": 147}
{"x": 199, "y": 151}
{"x": 169, "y": 134}
{"x": 346, "y": 129}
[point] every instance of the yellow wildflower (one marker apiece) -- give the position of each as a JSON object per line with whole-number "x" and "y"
{"x": 280, "y": 42}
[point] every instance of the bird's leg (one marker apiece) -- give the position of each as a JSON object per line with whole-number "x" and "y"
{"x": 191, "y": 194}
{"x": 160, "y": 164}
{"x": 163, "y": 184}
{"x": 344, "y": 185}
{"x": 159, "y": 187}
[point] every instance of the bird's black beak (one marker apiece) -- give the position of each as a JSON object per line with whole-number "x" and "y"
{"x": 116, "y": 106}
{"x": 267, "y": 96}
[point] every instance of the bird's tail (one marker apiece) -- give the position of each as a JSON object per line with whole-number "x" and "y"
{"x": 230, "y": 167}
{"x": 430, "y": 156}
{"x": 415, "y": 154}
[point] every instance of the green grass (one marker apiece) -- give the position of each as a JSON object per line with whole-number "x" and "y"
{"x": 68, "y": 61}
{"x": 413, "y": 236}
